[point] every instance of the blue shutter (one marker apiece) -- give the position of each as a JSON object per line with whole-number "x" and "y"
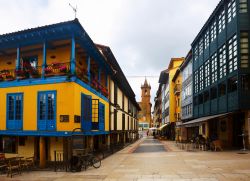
{"x": 86, "y": 112}
{"x": 101, "y": 117}
{"x": 46, "y": 116}
{"x": 15, "y": 111}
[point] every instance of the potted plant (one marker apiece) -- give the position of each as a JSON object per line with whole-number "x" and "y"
{"x": 9, "y": 77}
{"x": 4, "y": 72}
{"x": 63, "y": 68}
{"x": 1, "y": 78}
{"x": 34, "y": 73}
{"x": 104, "y": 91}
{"x": 21, "y": 74}
{"x": 94, "y": 83}
{"x": 48, "y": 70}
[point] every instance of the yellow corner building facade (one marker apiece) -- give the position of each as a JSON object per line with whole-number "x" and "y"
{"x": 54, "y": 85}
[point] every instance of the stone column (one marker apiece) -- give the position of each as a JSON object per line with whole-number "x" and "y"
{"x": 42, "y": 150}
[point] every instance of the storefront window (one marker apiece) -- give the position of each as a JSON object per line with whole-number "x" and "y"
{"x": 8, "y": 144}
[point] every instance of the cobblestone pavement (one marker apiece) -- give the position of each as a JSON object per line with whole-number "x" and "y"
{"x": 173, "y": 165}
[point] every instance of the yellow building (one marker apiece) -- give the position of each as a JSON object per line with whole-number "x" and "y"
{"x": 174, "y": 94}
{"x": 55, "y": 86}
{"x": 177, "y": 80}
{"x": 123, "y": 123}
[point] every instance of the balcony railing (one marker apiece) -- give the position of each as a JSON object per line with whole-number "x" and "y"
{"x": 177, "y": 89}
{"x": 54, "y": 69}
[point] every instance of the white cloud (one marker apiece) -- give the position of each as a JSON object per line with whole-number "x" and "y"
{"x": 143, "y": 34}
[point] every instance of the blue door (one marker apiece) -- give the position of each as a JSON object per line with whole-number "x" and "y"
{"x": 15, "y": 111}
{"x": 101, "y": 117}
{"x": 86, "y": 112}
{"x": 47, "y": 111}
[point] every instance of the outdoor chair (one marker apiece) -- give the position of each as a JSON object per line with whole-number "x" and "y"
{"x": 13, "y": 167}
{"x": 216, "y": 144}
{"x": 200, "y": 142}
{"x": 3, "y": 166}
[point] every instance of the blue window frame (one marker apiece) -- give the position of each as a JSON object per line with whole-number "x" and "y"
{"x": 15, "y": 111}
{"x": 101, "y": 116}
{"x": 46, "y": 111}
{"x": 86, "y": 112}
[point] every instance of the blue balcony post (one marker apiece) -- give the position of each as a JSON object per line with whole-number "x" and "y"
{"x": 44, "y": 58}
{"x": 73, "y": 56}
{"x": 18, "y": 58}
{"x": 88, "y": 70}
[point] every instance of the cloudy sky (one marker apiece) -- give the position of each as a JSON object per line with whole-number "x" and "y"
{"x": 143, "y": 34}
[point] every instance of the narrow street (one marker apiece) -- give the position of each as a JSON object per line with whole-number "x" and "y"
{"x": 150, "y": 145}
{"x": 149, "y": 159}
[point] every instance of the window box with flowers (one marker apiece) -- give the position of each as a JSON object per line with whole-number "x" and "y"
{"x": 9, "y": 77}
{"x": 48, "y": 70}
{"x": 6, "y": 75}
{"x": 22, "y": 74}
{"x": 56, "y": 69}
{"x": 94, "y": 84}
{"x": 105, "y": 91}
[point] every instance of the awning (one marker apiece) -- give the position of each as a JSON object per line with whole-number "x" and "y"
{"x": 162, "y": 126}
{"x": 199, "y": 121}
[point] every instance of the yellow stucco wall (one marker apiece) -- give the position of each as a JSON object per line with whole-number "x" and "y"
{"x": 68, "y": 101}
{"x": 119, "y": 113}
{"x": 25, "y": 151}
{"x": 178, "y": 81}
{"x": 55, "y": 144}
{"x": 172, "y": 101}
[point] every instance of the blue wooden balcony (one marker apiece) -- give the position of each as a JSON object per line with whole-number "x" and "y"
{"x": 49, "y": 71}
{"x": 207, "y": 108}
{"x": 233, "y": 101}
{"x": 214, "y": 106}
{"x": 222, "y": 100}
{"x": 37, "y": 45}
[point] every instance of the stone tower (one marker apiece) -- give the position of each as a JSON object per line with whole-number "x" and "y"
{"x": 145, "y": 104}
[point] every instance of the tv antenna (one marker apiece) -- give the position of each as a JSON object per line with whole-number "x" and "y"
{"x": 74, "y": 9}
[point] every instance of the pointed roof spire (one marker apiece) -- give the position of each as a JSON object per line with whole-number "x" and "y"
{"x": 145, "y": 82}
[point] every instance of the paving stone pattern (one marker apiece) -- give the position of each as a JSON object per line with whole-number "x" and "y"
{"x": 171, "y": 165}
{"x": 150, "y": 145}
